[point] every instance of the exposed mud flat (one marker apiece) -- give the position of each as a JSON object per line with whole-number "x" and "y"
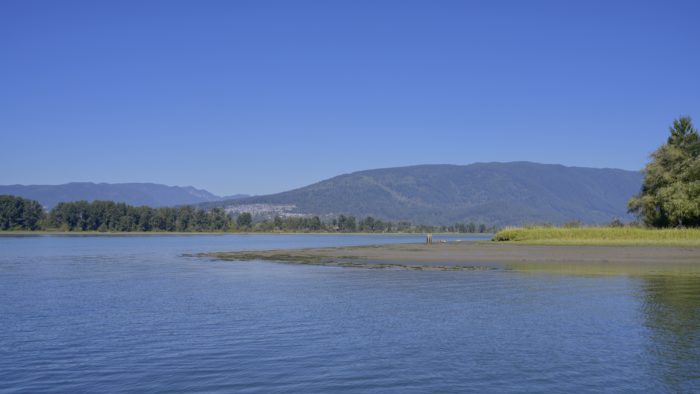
{"x": 477, "y": 255}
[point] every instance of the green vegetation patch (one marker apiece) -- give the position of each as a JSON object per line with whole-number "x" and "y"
{"x": 600, "y": 236}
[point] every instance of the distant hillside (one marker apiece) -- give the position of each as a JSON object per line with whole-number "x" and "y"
{"x": 150, "y": 194}
{"x": 494, "y": 193}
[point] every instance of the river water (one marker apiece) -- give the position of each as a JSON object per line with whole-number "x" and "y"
{"x": 132, "y": 314}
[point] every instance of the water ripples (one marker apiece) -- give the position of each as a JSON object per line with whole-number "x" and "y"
{"x": 75, "y": 320}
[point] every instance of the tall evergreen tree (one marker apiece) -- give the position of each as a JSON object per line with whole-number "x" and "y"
{"x": 670, "y": 194}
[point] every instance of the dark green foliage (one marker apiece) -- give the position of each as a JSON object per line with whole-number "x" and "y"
{"x": 347, "y": 224}
{"x": 670, "y": 195}
{"x": 616, "y": 223}
{"x": 111, "y": 216}
{"x": 244, "y": 220}
{"x": 296, "y": 224}
{"x": 18, "y": 213}
{"x": 107, "y": 216}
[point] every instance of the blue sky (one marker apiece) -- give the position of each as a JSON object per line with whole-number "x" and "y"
{"x": 261, "y": 96}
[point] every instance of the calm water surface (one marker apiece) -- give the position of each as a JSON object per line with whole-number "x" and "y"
{"x": 131, "y": 314}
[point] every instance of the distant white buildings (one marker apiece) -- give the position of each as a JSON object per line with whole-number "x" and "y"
{"x": 265, "y": 210}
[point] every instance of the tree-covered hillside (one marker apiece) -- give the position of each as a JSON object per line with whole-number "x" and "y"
{"x": 495, "y": 193}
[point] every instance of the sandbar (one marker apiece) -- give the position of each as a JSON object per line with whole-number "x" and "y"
{"x": 476, "y": 255}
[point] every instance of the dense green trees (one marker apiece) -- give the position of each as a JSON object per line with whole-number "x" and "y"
{"x": 18, "y": 213}
{"x": 369, "y": 224}
{"x": 244, "y": 220}
{"x": 112, "y": 216}
{"x": 108, "y": 216}
{"x": 670, "y": 195}
{"x": 346, "y": 224}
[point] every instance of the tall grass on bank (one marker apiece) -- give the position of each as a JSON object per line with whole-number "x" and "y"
{"x": 599, "y": 236}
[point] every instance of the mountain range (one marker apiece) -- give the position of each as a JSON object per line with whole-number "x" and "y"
{"x": 501, "y": 194}
{"x": 151, "y": 194}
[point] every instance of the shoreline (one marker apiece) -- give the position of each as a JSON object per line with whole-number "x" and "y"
{"x": 479, "y": 255}
{"x": 139, "y": 233}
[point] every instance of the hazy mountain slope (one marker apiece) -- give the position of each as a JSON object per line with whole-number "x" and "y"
{"x": 150, "y": 194}
{"x": 494, "y": 193}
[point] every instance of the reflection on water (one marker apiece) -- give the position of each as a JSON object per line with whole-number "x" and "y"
{"x": 131, "y": 314}
{"x": 671, "y": 308}
{"x": 669, "y": 298}
{"x": 598, "y": 269}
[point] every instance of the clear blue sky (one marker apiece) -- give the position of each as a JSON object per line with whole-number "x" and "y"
{"x": 260, "y": 96}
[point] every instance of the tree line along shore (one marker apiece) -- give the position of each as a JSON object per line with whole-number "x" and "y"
{"x": 20, "y": 214}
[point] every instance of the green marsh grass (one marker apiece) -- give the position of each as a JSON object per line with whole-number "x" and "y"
{"x": 599, "y": 236}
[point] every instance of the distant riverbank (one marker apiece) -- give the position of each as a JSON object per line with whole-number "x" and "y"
{"x": 142, "y": 233}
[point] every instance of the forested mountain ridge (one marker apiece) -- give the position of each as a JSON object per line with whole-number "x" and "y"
{"x": 496, "y": 193}
{"x": 137, "y": 194}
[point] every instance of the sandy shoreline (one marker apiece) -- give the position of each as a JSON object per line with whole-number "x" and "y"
{"x": 475, "y": 255}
